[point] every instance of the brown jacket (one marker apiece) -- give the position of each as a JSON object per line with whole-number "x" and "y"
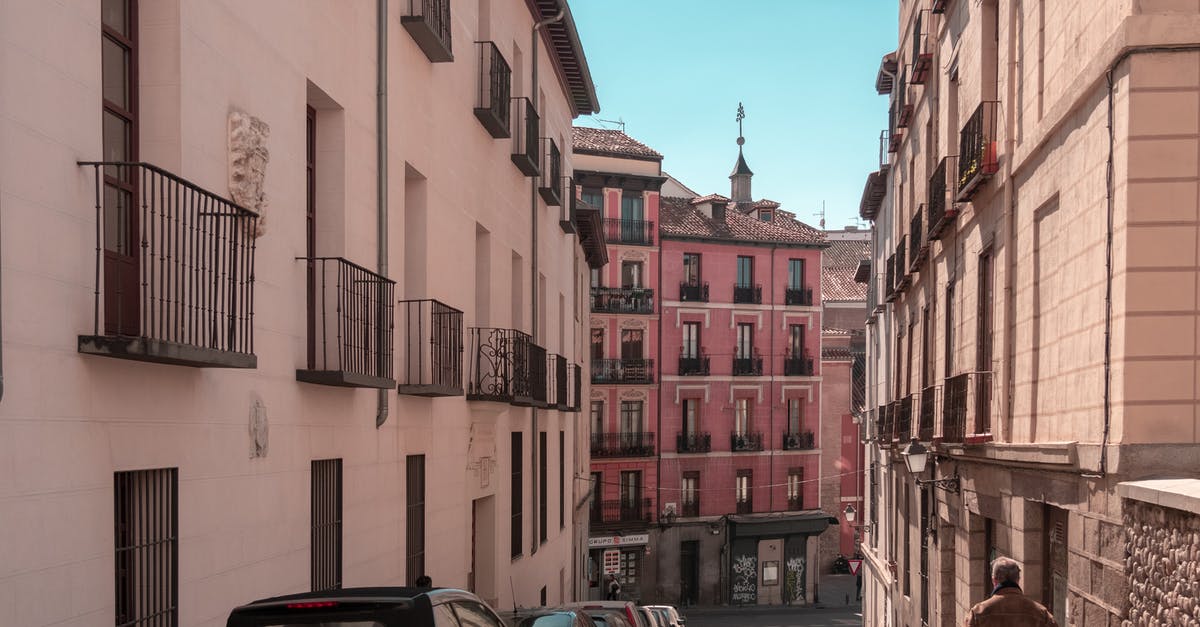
{"x": 1008, "y": 607}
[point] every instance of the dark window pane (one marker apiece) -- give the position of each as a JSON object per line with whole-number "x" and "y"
{"x": 116, "y": 143}
{"x": 117, "y": 220}
{"x": 115, "y": 72}
{"x": 115, "y": 15}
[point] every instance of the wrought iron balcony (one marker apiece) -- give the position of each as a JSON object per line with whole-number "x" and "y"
{"x": 557, "y": 382}
{"x": 693, "y": 442}
{"x": 922, "y": 54}
{"x": 903, "y": 279}
{"x": 745, "y": 507}
{"x": 745, "y": 442}
{"x": 174, "y": 274}
{"x": 690, "y": 509}
{"x": 874, "y": 190}
{"x": 747, "y": 366}
{"x": 795, "y": 503}
{"x": 903, "y": 108}
{"x": 610, "y": 514}
{"x": 693, "y": 292}
{"x": 616, "y": 371}
{"x": 538, "y": 381}
{"x": 637, "y": 232}
{"x": 928, "y": 414}
{"x": 350, "y": 318}
{"x": 623, "y": 300}
{"x": 904, "y": 410}
{"x": 500, "y": 366}
{"x": 802, "y": 296}
{"x": 887, "y": 424}
{"x": 889, "y": 280}
{"x": 797, "y": 366}
{"x": 574, "y": 387}
{"x": 526, "y": 131}
{"x": 551, "y": 185}
{"x": 432, "y": 357}
{"x": 751, "y": 294}
{"x": 428, "y": 22}
{"x": 801, "y": 441}
{"x": 493, "y": 108}
{"x": 966, "y": 408}
{"x": 918, "y": 249}
{"x": 629, "y": 444}
{"x": 977, "y": 151}
{"x": 942, "y": 210}
{"x": 694, "y": 366}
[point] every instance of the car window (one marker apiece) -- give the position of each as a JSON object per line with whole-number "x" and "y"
{"x": 443, "y": 616}
{"x": 472, "y": 614}
{"x": 549, "y": 620}
{"x": 599, "y": 620}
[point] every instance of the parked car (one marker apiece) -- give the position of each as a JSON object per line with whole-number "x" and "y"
{"x": 369, "y": 607}
{"x": 650, "y": 616}
{"x": 548, "y": 617}
{"x": 625, "y": 608}
{"x": 608, "y": 618}
{"x": 669, "y": 615}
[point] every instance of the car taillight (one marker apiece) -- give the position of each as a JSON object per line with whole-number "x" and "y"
{"x": 629, "y": 613}
{"x": 311, "y": 605}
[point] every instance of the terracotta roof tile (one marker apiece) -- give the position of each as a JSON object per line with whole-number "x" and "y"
{"x": 766, "y": 203}
{"x": 838, "y": 265}
{"x": 679, "y": 218}
{"x": 608, "y": 142}
{"x": 709, "y": 198}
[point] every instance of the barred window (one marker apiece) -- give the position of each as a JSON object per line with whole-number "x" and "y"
{"x": 146, "y": 521}
{"x": 326, "y": 558}
{"x": 415, "y": 530}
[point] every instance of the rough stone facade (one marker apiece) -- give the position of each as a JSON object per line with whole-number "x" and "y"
{"x": 1163, "y": 565}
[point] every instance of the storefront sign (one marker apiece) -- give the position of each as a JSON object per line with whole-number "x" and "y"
{"x": 612, "y": 561}
{"x": 629, "y": 540}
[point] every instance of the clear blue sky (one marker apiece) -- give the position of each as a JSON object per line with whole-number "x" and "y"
{"x": 675, "y": 70}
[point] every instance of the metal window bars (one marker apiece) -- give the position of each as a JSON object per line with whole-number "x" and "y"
{"x": 740, "y": 442}
{"x": 498, "y": 366}
{"x": 918, "y": 248}
{"x": 526, "y": 132}
{"x": 146, "y": 546}
{"x": 797, "y": 365}
{"x": 431, "y": 363}
{"x": 922, "y": 54}
{"x": 966, "y": 408}
{"x": 350, "y": 325}
{"x": 942, "y": 190}
{"x": 626, "y": 300}
{"x": 747, "y": 293}
{"x": 609, "y": 371}
{"x": 622, "y": 231}
{"x": 623, "y": 444}
{"x": 428, "y": 22}
{"x": 977, "y": 150}
{"x": 928, "y": 413}
{"x": 699, "y": 442}
{"x": 326, "y": 533}
{"x": 693, "y": 292}
{"x": 799, "y": 441}
{"x": 493, "y": 107}
{"x": 551, "y": 185}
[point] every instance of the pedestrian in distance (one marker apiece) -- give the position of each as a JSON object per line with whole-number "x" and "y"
{"x": 424, "y": 581}
{"x": 1008, "y": 606}
{"x": 614, "y": 588}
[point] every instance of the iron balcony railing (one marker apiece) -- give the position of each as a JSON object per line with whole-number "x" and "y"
{"x": 574, "y": 387}
{"x": 499, "y": 366}
{"x": 917, "y": 249}
{"x": 748, "y": 366}
{"x": 428, "y": 22}
{"x": 904, "y": 108}
{"x": 895, "y": 135}
{"x": 802, "y": 296}
{"x": 431, "y": 361}
{"x": 551, "y": 185}
{"x": 526, "y": 129}
{"x": 625, "y": 300}
{"x": 904, "y": 409}
{"x": 889, "y": 279}
{"x": 609, "y": 371}
{"x": 885, "y": 156}
{"x": 903, "y": 279}
{"x": 887, "y": 424}
{"x": 954, "y": 408}
{"x": 700, "y": 442}
{"x": 795, "y": 503}
{"x": 694, "y": 366}
{"x": 493, "y": 107}
{"x": 538, "y": 381}
{"x": 751, "y": 294}
{"x": 797, "y": 365}
{"x": 941, "y": 207}
{"x": 966, "y": 408}
{"x": 928, "y": 414}
{"x": 696, "y": 292}
{"x": 922, "y": 56}
{"x": 690, "y": 509}
{"x": 350, "y": 320}
{"x": 556, "y": 382}
{"x": 622, "y": 512}
{"x": 740, "y": 442}
{"x": 745, "y": 506}
{"x": 977, "y": 150}
{"x": 620, "y": 231}
{"x": 626, "y": 444}
{"x": 799, "y": 441}
{"x": 174, "y": 270}
{"x": 858, "y": 380}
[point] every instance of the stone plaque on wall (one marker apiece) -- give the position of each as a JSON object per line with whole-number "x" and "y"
{"x": 248, "y": 156}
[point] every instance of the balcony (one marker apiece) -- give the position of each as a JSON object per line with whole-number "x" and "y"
{"x": 574, "y": 387}
{"x": 493, "y": 108}
{"x": 693, "y": 442}
{"x": 622, "y": 300}
{"x": 977, "y": 158}
{"x": 631, "y": 444}
{"x": 350, "y": 318}
{"x": 927, "y": 415}
{"x": 939, "y": 6}
{"x": 887, "y": 424}
{"x": 873, "y": 192}
{"x": 797, "y": 366}
{"x": 538, "y": 379}
{"x": 618, "y": 371}
{"x": 795, "y": 503}
{"x": 557, "y": 383}
{"x": 903, "y": 419}
{"x": 745, "y": 442}
{"x": 745, "y": 506}
{"x": 918, "y": 250}
{"x": 610, "y": 514}
{"x": 175, "y": 279}
{"x": 636, "y": 232}
{"x": 966, "y": 408}
{"x": 526, "y": 130}
{"x": 748, "y": 366}
{"x": 499, "y": 366}
{"x": 747, "y": 294}
{"x": 551, "y": 186}
{"x": 431, "y": 361}
{"x": 690, "y": 509}
{"x": 694, "y": 366}
{"x": 941, "y": 208}
{"x": 889, "y": 280}
{"x": 428, "y": 22}
{"x": 800, "y": 441}
{"x": 693, "y": 292}
{"x": 922, "y": 54}
{"x": 903, "y": 279}
{"x": 801, "y": 296}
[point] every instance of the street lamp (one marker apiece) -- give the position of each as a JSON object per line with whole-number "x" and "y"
{"x": 915, "y": 457}
{"x": 850, "y": 513}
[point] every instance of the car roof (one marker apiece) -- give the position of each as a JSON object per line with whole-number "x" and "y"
{"x": 390, "y": 594}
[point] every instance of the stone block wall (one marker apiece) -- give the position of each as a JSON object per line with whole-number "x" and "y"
{"x": 1163, "y": 565}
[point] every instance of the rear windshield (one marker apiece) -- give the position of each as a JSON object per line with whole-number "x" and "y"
{"x": 550, "y": 620}
{"x": 337, "y": 623}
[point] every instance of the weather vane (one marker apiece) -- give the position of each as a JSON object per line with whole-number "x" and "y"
{"x": 741, "y": 115}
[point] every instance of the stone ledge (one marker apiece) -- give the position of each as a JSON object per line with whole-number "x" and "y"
{"x": 1181, "y": 494}
{"x": 1039, "y": 453}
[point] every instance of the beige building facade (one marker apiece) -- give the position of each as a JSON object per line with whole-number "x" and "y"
{"x": 1032, "y": 314}
{"x": 311, "y": 314}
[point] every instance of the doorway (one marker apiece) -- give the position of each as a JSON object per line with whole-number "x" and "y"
{"x": 689, "y": 572}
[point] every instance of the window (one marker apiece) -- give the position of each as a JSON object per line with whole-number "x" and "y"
{"x": 631, "y": 489}
{"x": 517, "y": 504}
{"x": 926, "y": 349}
{"x": 742, "y": 491}
{"x": 983, "y": 347}
{"x": 146, "y": 525}
{"x": 795, "y": 274}
{"x": 691, "y": 416}
{"x": 631, "y": 274}
{"x": 310, "y": 239}
{"x": 632, "y": 209}
{"x": 689, "y": 493}
{"x": 597, "y": 343}
{"x": 795, "y": 415}
{"x": 631, "y": 344}
{"x": 949, "y": 367}
{"x": 594, "y": 197}
{"x": 415, "y": 536}
{"x": 908, "y": 363}
{"x": 765, "y": 216}
{"x": 326, "y": 545}
{"x": 597, "y": 278}
{"x": 691, "y": 268}
{"x": 631, "y": 416}
{"x": 796, "y": 341}
{"x": 472, "y": 614}
{"x": 562, "y": 479}
{"x": 745, "y": 340}
{"x": 741, "y": 416}
{"x": 597, "y": 493}
{"x": 119, "y": 128}
{"x": 795, "y": 488}
{"x": 745, "y": 271}
{"x": 691, "y": 341}
{"x": 597, "y": 416}
{"x": 543, "y": 487}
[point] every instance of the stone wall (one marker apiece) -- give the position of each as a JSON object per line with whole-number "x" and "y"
{"x": 1163, "y": 565}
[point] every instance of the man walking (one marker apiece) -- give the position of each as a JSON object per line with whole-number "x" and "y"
{"x": 614, "y": 588}
{"x": 1008, "y": 607}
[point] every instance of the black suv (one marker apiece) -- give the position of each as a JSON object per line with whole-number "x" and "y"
{"x": 369, "y": 607}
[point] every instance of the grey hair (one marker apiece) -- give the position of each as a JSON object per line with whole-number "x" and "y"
{"x": 1005, "y": 569}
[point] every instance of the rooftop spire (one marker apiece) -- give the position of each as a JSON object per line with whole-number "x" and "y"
{"x": 740, "y": 178}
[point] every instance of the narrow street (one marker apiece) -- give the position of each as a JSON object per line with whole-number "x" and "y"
{"x": 774, "y": 617}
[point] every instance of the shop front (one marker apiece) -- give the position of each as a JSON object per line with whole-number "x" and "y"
{"x": 619, "y": 555}
{"x": 769, "y": 556}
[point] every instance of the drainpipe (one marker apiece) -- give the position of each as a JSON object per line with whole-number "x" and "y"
{"x": 381, "y": 175}
{"x": 771, "y": 392}
{"x": 533, "y": 219}
{"x": 1, "y": 356}
{"x": 1009, "y": 202}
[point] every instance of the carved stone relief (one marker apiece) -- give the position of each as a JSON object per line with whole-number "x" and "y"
{"x": 248, "y": 156}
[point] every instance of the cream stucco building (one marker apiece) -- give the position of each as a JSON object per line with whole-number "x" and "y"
{"x": 316, "y": 321}
{"x": 1033, "y": 314}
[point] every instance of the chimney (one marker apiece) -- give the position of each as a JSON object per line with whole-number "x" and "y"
{"x": 718, "y": 211}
